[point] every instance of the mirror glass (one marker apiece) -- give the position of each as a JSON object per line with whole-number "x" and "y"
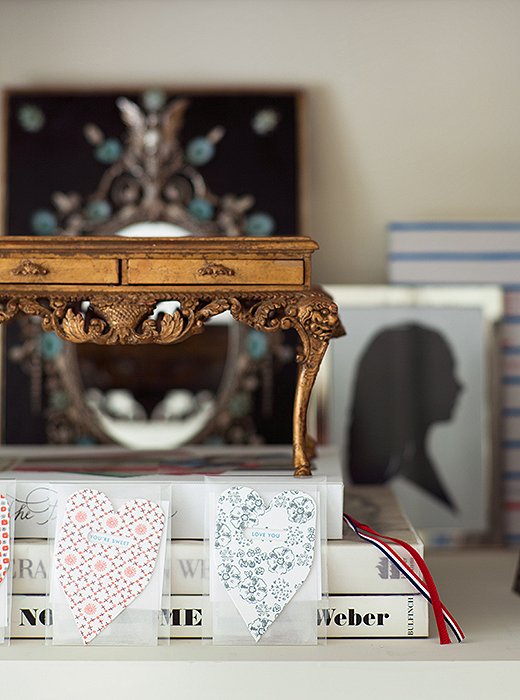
{"x": 152, "y": 396}
{"x": 153, "y": 229}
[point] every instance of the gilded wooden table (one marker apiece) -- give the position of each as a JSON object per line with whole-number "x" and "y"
{"x": 264, "y": 283}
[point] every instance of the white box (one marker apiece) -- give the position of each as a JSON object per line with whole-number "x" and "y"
{"x": 354, "y": 565}
{"x": 35, "y": 498}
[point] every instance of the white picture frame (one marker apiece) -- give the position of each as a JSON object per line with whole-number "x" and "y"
{"x": 439, "y": 456}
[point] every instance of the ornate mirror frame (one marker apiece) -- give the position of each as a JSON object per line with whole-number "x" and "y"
{"x": 153, "y": 170}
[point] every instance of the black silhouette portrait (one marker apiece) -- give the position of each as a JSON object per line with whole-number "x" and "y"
{"x": 405, "y": 384}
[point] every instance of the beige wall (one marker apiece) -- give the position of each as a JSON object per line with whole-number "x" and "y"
{"x": 414, "y": 106}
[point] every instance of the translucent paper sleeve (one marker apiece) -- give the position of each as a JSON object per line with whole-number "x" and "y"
{"x": 266, "y": 542}
{"x": 109, "y": 582}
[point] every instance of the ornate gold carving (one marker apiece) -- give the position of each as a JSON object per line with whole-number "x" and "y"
{"x": 28, "y": 268}
{"x": 8, "y": 309}
{"x": 312, "y": 314}
{"x": 113, "y": 318}
{"x": 125, "y": 318}
{"x": 119, "y": 319}
{"x": 72, "y": 327}
{"x": 215, "y": 270}
{"x": 315, "y": 318}
{"x": 152, "y": 180}
{"x": 320, "y": 318}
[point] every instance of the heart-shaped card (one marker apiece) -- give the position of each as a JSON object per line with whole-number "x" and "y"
{"x": 5, "y": 543}
{"x": 105, "y": 558}
{"x": 263, "y": 553}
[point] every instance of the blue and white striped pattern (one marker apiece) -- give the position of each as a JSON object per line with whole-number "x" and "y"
{"x": 474, "y": 252}
{"x": 471, "y": 252}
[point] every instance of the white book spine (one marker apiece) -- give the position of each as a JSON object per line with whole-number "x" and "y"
{"x": 189, "y": 617}
{"x": 353, "y": 568}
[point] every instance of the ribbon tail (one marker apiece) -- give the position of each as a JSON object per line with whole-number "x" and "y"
{"x": 425, "y": 586}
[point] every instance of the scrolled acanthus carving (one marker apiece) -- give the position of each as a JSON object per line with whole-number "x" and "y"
{"x": 128, "y": 319}
{"x": 124, "y": 320}
{"x": 8, "y": 309}
{"x": 313, "y": 315}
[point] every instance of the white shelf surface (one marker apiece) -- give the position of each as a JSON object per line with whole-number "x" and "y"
{"x": 474, "y": 585}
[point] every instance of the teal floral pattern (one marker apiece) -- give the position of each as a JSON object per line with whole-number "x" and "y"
{"x": 50, "y": 346}
{"x": 251, "y": 559}
{"x": 258, "y": 627}
{"x": 241, "y": 516}
{"x": 201, "y": 209}
{"x": 98, "y": 210}
{"x": 257, "y": 344}
{"x": 222, "y": 535}
{"x": 281, "y": 589}
{"x": 253, "y": 589}
{"x": 31, "y": 118}
{"x": 263, "y": 553}
{"x": 200, "y": 151}
{"x": 44, "y": 222}
{"x": 108, "y": 151}
{"x": 154, "y": 100}
{"x": 265, "y": 121}
{"x": 260, "y": 224}
{"x": 301, "y": 509}
{"x": 294, "y": 535}
{"x": 281, "y": 560}
{"x": 229, "y": 575}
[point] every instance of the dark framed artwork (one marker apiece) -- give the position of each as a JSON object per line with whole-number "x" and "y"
{"x": 148, "y": 161}
{"x": 409, "y": 397}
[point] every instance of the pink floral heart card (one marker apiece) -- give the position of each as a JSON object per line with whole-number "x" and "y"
{"x": 108, "y": 566}
{"x": 7, "y": 496}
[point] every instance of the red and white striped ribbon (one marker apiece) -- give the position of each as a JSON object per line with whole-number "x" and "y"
{"x": 426, "y": 586}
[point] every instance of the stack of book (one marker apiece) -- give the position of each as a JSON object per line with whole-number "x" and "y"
{"x": 368, "y": 596}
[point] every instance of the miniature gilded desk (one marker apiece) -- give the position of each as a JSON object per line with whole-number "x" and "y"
{"x": 264, "y": 283}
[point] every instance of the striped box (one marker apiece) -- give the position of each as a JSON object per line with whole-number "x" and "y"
{"x": 474, "y": 252}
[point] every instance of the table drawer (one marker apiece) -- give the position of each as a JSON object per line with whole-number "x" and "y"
{"x": 59, "y": 270}
{"x": 205, "y": 272}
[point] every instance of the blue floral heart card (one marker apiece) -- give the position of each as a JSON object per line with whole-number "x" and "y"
{"x": 265, "y": 560}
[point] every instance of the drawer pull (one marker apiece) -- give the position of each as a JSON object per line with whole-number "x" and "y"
{"x": 28, "y": 267}
{"x": 215, "y": 270}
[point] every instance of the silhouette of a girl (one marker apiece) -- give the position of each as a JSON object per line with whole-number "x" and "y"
{"x": 405, "y": 383}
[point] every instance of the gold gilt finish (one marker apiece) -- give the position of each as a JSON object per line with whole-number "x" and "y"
{"x": 27, "y": 267}
{"x": 121, "y": 313}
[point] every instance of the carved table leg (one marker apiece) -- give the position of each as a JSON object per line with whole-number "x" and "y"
{"x": 316, "y": 322}
{"x": 310, "y": 446}
{"x": 314, "y": 316}
{"x": 307, "y": 372}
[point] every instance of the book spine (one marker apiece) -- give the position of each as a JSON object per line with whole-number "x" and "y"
{"x": 353, "y": 568}
{"x": 189, "y": 617}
